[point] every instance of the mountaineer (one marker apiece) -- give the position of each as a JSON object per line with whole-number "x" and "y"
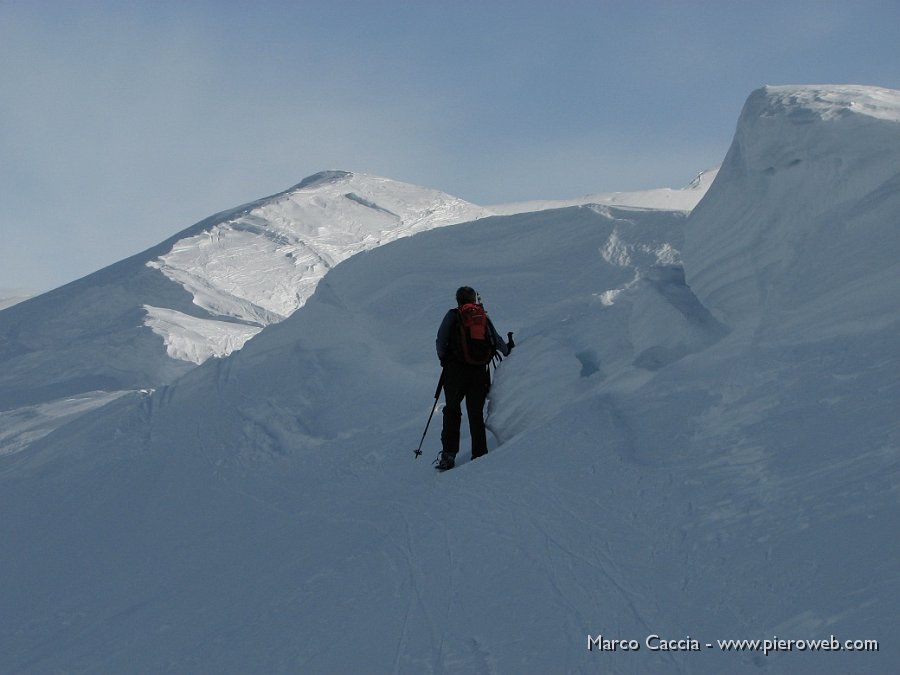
{"x": 466, "y": 343}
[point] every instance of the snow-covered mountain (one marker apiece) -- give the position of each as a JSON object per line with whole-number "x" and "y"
{"x": 683, "y": 445}
{"x": 144, "y": 321}
{"x": 13, "y": 296}
{"x": 244, "y": 268}
{"x": 259, "y": 267}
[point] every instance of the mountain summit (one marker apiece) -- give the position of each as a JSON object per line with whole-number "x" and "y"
{"x": 257, "y": 268}
{"x": 207, "y": 290}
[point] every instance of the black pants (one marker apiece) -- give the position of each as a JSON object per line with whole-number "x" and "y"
{"x": 462, "y": 381}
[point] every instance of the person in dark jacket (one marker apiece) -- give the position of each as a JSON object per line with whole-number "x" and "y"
{"x": 463, "y": 380}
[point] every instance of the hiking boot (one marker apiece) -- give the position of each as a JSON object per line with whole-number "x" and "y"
{"x": 445, "y": 461}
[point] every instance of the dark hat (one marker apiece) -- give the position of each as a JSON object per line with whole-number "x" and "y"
{"x": 465, "y": 294}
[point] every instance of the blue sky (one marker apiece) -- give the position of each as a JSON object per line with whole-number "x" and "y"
{"x": 123, "y": 122}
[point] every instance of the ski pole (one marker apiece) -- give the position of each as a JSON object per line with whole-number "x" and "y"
{"x": 497, "y": 359}
{"x": 437, "y": 396}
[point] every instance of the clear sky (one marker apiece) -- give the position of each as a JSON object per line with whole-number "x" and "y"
{"x": 123, "y": 122}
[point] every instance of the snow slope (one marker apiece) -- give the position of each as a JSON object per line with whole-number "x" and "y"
{"x": 203, "y": 293}
{"x": 670, "y": 459}
{"x": 827, "y": 161}
{"x": 146, "y": 320}
{"x": 667, "y": 199}
{"x": 284, "y": 473}
{"x": 260, "y": 267}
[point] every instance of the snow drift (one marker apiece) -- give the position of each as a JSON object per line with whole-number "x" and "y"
{"x": 811, "y": 189}
{"x": 675, "y": 452}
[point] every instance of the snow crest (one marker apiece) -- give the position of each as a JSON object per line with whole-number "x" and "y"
{"x": 205, "y": 292}
{"x": 813, "y": 174}
{"x": 664, "y": 199}
{"x": 261, "y": 266}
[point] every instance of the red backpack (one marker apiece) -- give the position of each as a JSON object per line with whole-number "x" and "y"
{"x": 476, "y": 340}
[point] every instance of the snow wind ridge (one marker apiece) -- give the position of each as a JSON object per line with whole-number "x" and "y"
{"x": 257, "y": 268}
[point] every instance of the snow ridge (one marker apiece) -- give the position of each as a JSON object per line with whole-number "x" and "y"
{"x": 145, "y": 321}
{"x": 812, "y": 173}
{"x": 812, "y": 102}
{"x": 261, "y": 266}
{"x": 13, "y": 296}
{"x": 667, "y": 199}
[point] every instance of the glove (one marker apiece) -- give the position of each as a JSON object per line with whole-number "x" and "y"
{"x": 509, "y": 341}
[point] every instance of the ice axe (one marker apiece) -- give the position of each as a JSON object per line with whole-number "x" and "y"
{"x": 437, "y": 396}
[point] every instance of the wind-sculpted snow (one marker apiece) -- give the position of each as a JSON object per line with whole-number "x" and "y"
{"x": 801, "y": 221}
{"x": 661, "y": 464}
{"x": 203, "y": 293}
{"x": 287, "y": 468}
{"x": 260, "y": 267}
